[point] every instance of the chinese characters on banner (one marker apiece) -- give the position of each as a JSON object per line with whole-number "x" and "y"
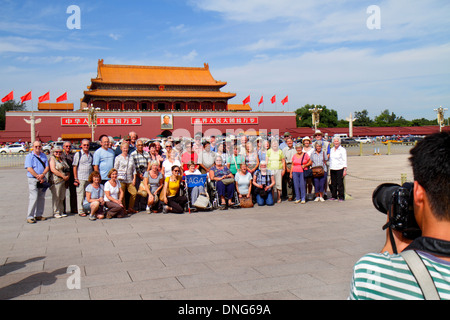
{"x": 83, "y": 121}
{"x": 224, "y": 120}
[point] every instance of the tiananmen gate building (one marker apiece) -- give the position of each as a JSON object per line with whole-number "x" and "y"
{"x": 162, "y": 101}
{"x": 152, "y": 101}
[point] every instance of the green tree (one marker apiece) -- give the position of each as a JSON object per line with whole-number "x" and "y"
{"x": 328, "y": 117}
{"x": 385, "y": 119}
{"x": 9, "y": 106}
{"x": 362, "y": 119}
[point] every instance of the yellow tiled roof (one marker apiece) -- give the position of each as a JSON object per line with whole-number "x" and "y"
{"x": 239, "y": 107}
{"x": 159, "y": 94}
{"x": 151, "y": 75}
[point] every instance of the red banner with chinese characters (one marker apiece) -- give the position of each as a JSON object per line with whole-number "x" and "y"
{"x": 116, "y": 121}
{"x": 224, "y": 120}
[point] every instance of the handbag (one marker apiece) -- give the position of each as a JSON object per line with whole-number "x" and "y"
{"x": 202, "y": 201}
{"x": 246, "y": 202}
{"x": 308, "y": 173}
{"x": 318, "y": 172}
{"x": 227, "y": 181}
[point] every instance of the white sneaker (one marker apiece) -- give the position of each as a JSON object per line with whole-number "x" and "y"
{"x": 303, "y": 201}
{"x": 57, "y": 216}
{"x": 316, "y": 199}
{"x": 321, "y": 199}
{"x": 147, "y": 209}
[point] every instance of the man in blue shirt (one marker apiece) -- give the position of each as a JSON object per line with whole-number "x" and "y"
{"x": 37, "y": 167}
{"x": 104, "y": 159}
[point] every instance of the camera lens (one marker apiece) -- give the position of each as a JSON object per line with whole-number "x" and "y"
{"x": 382, "y": 196}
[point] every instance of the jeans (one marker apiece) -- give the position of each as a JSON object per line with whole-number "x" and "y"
{"x": 264, "y": 201}
{"x": 319, "y": 183}
{"x": 299, "y": 186}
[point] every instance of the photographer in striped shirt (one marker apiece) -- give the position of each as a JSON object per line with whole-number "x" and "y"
{"x": 389, "y": 275}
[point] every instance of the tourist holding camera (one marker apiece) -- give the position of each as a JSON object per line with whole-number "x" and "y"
{"x": 388, "y": 275}
{"x": 263, "y": 180}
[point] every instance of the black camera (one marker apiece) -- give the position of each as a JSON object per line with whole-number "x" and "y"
{"x": 397, "y": 202}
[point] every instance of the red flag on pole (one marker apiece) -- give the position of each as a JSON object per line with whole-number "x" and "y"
{"x": 8, "y": 97}
{"x": 62, "y": 97}
{"x": 284, "y": 100}
{"x": 260, "y": 101}
{"x": 273, "y": 99}
{"x": 246, "y": 100}
{"x": 26, "y": 97}
{"x": 45, "y": 97}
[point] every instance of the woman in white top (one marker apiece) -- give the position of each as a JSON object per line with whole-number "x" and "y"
{"x": 169, "y": 163}
{"x": 113, "y": 196}
{"x": 338, "y": 169}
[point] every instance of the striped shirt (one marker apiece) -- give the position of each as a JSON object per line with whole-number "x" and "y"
{"x": 381, "y": 276}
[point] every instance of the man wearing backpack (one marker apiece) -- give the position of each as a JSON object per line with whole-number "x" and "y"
{"x": 82, "y": 168}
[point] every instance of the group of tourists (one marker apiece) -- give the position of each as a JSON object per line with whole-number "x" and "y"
{"x": 139, "y": 176}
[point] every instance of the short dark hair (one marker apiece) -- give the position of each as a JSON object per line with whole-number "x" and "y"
{"x": 430, "y": 161}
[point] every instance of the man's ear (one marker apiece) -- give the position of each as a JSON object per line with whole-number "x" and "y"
{"x": 419, "y": 194}
{"x": 420, "y": 199}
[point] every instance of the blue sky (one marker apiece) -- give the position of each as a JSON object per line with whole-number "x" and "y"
{"x": 316, "y": 52}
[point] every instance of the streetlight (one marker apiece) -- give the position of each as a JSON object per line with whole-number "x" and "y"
{"x": 315, "y": 116}
{"x": 92, "y": 119}
{"x": 440, "y": 117}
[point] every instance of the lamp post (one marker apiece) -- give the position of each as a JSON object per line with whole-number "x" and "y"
{"x": 315, "y": 116}
{"x": 92, "y": 119}
{"x": 440, "y": 117}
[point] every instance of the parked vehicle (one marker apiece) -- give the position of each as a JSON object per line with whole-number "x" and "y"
{"x": 13, "y": 148}
{"x": 363, "y": 140}
{"x": 48, "y": 147}
{"x": 349, "y": 142}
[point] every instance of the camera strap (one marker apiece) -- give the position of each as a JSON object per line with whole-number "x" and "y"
{"x": 420, "y": 272}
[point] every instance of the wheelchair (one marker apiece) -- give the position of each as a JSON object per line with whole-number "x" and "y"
{"x": 214, "y": 196}
{"x": 203, "y": 202}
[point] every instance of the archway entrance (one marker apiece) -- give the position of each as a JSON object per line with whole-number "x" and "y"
{"x": 166, "y": 133}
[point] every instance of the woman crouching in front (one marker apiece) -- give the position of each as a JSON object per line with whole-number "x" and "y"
{"x": 174, "y": 202}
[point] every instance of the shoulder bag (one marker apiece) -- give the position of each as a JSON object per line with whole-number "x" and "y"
{"x": 307, "y": 173}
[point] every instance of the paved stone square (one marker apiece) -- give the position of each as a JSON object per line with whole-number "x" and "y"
{"x": 288, "y": 251}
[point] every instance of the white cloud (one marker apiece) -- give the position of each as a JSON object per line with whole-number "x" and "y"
{"x": 348, "y": 79}
{"x": 114, "y": 36}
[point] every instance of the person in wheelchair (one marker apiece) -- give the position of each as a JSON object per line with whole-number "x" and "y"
{"x": 263, "y": 181}
{"x": 224, "y": 183}
{"x": 193, "y": 191}
{"x": 171, "y": 195}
